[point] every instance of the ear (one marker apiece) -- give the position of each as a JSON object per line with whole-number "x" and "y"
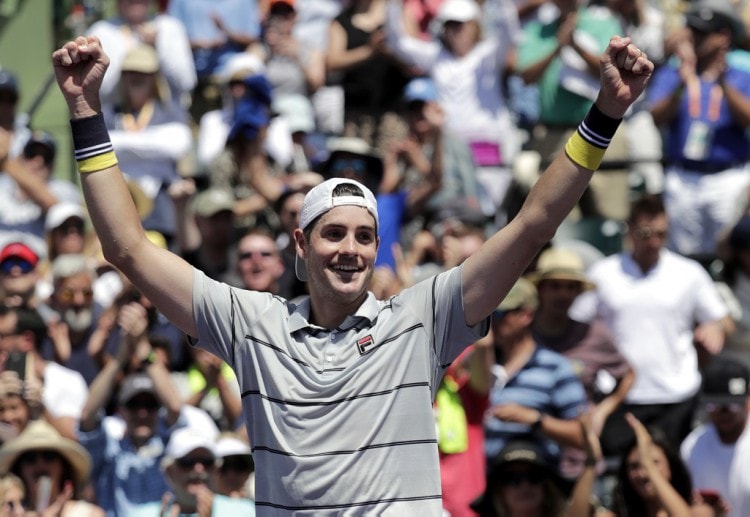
{"x": 300, "y": 243}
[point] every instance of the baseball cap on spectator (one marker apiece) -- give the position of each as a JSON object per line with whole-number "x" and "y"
{"x": 9, "y": 84}
{"x": 725, "y": 381}
{"x": 212, "y": 201}
{"x": 522, "y": 295}
{"x": 230, "y": 449}
{"x": 133, "y": 385}
{"x": 41, "y": 143}
{"x": 320, "y": 200}
{"x": 710, "y": 16}
{"x": 184, "y": 441}
{"x": 240, "y": 66}
{"x": 557, "y": 263}
{"x": 420, "y": 89}
{"x": 61, "y": 212}
{"x": 458, "y": 11}
{"x": 19, "y": 251}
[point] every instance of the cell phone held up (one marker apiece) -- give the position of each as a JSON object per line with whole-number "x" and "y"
{"x": 16, "y": 362}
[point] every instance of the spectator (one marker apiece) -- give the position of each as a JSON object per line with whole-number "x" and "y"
{"x": 665, "y": 314}
{"x": 189, "y": 466}
{"x": 12, "y": 494}
{"x": 605, "y": 374}
{"x": 216, "y": 30}
{"x": 126, "y": 461}
{"x": 63, "y": 391}
{"x": 135, "y": 25}
{"x": 235, "y": 476}
{"x": 27, "y": 189}
{"x": 19, "y": 274}
{"x": 150, "y": 134}
{"x": 371, "y": 78}
{"x": 13, "y": 128}
{"x": 39, "y": 453}
{"x": 734, "y": 253}
{"x": 288, "y": 207}
{"x": 75, "y": 338}
{"x": 717, "y": 450}
{"x": 652, "y": 479}
{"x": 535, "y": 392}
{"x": 259, "y": 262}
{"x": 521, "y": 482}
{"x": 701, "y": 102}
{"x": 560, "y": 57}
{"x": 468, "y": 71}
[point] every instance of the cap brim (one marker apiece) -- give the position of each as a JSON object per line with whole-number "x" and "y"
{"x": 721, "y": 400}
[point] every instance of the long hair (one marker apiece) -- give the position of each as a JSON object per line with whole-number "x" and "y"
{"x": 628, "y": 503}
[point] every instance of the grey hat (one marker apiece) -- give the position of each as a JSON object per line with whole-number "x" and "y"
{"x": 212, "y": 201}
{"x": 133, "y": 385}
{"x": 711, "y": 16}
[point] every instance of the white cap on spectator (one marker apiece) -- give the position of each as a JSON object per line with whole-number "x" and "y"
{"x": 184, "y": 441}
{"x": 61, "y": 212}
{"x": 458, "y": 11}
{"x": 231, "y": 446}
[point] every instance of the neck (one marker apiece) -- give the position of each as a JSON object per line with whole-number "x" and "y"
{"x": 329, "y": 315}
{"x": 516, "y": 352}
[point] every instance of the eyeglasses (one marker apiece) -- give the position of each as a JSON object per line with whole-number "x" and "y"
{"x": 70, "y": 227}
{"x": 46, "y": 455}
{"x": 237, "y": 463}
{"x": 148, "y": 403}
{"x": 731, "y": 407}
{"x": 248, "y": 255}
{"x": 645, "y": 233}
{"x": 7, "y": 265}
{"x": 68, "y": 294}
{"x": 188, "y": 463}
{"x": 532, "y": 477}
{"x": 353, "y": 165}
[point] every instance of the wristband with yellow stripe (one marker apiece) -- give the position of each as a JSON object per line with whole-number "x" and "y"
{"x": 586, "y": 147}
{"x": 93, "y": 149}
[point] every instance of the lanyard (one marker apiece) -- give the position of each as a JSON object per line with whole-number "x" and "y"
{"x": 694, "y": 100}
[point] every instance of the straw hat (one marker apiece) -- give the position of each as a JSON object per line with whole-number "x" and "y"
{"x": 560, "y": 264}
{"x": 40, "y": 435}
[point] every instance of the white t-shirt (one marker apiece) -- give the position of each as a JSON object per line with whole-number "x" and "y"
{"x": 65, "y": 391}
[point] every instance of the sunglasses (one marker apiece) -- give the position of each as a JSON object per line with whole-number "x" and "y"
{"x": 248, "y": 255}
{"x": 68, "y": 294}
{"x": 70, "y": 227}
{"x": 731, "y": 407}
{"x": 645, "y": 233}
{"x": 237, "y": 464}
{"x": 8, "y": 264}
{"x": 356, "y": 165}
{"x": 190, "y": 463}
{"x": 148, "y": 403}
{"x": 517, "y": 478}
{"x": 31, "y": 457}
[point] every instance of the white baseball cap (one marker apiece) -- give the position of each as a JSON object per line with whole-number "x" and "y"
{"x": 320, "y": 199}
{"x": 458, "y": 11}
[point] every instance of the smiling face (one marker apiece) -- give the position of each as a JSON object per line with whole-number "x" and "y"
{"x": 340, "y": 254}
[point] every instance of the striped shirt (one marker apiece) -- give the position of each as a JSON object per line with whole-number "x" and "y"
{"x": 340, "y": 421}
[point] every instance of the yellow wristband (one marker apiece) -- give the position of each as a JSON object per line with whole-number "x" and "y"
{"x": 97, "y": 163}
{"x": 583, "y": 153}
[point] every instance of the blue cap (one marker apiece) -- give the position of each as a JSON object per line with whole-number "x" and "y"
{"x": 420, "y": 89}
{"x": 8, "y": 82}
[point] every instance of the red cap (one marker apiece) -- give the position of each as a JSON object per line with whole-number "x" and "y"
{"x": 20, "y": 250}
{"x": 290, "y": 3}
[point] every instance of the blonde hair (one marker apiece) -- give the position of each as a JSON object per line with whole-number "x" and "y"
{"x": 8, "y": 481}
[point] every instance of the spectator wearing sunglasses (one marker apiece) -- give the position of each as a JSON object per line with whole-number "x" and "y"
{"x": 72, "y": 316}
{"x": 19, "y": 274}
{"x": 716, "y": 452}
{"x": 259, "y": 261}
{"x": 520, "y": 482}
{"x": 235, "y": 476}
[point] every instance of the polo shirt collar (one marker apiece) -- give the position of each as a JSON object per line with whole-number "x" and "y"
{"x": 368, "y": 311}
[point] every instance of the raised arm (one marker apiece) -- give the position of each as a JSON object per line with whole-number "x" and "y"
{"x": 165, "y": 278}
{"x": 490, "y": 272}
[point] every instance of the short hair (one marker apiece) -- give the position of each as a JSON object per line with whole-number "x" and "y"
{"x": 649, "y": 205}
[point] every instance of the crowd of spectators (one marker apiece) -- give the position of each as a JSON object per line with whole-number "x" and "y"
{"x": 614, "y": 383}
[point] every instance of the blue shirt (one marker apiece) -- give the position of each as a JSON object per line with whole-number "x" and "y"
{"x": 546, "y": 383}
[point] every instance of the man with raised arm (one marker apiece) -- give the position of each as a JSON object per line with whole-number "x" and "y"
{"x": 337, "y": 389}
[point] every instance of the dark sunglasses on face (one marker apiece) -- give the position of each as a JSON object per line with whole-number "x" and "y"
{"x": 32, "y": 456}
{"x": 190, "y": 463}
{"x": 731, "y": 407}
{"x": 146, "y": 403}
{"x": 533, "y": 477}
{"x": 355, "y": 165}
{"x": 248, "y": 255}
{"x": 237, "y": 463}
{"x": 645, "y": 233}
{"x": 8, "y": 264}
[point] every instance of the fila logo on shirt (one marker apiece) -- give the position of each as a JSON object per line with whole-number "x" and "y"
{"x": 365, "y": 344}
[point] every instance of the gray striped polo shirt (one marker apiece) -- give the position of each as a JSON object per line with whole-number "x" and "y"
{"x": 340, "y": 421}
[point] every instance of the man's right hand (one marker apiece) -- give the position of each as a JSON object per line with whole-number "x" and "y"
{"x": 79, "y": 69}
